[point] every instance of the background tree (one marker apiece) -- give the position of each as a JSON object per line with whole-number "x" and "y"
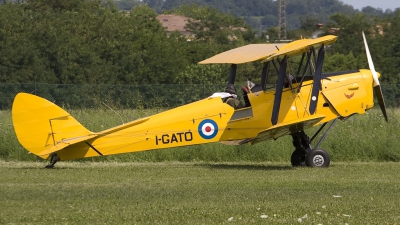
{"x": 349, "y": 29}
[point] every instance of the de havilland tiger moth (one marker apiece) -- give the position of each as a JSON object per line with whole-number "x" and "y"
{"x": 303, "y": 97}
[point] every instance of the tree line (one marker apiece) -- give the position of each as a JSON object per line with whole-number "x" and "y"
{"x": 86, "y": 41}
{"x": 90, "y": 42}
{"x": 263, "y": 13}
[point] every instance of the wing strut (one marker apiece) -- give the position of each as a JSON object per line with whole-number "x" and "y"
{"x": 301, "y": 64}
{"x": 312, "y": 61}
{"x": 276, "y": 68}
{"x": 232, "y": 74}
{"x": 264, "y": 75}
{"x": 278, "y": 91}
{"x": 306, "y": 67}
{"x": 317, "y": 80}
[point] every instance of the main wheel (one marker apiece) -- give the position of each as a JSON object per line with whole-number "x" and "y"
{"x": 298, "y": 158}
{"x": 318, "y": 158}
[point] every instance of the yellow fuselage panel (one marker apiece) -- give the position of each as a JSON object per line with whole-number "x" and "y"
{"x": 349, "y": 94}
{"x": 200, "y": 122}
{"x": 293, "y": 106}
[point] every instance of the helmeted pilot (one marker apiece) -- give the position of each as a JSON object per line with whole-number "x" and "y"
{"x": 232, "y": 100}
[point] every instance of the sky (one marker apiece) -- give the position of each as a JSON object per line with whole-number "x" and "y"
{"x": 383, "y": 4}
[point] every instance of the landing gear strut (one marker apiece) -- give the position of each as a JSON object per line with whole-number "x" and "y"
{"x": 305, "y": 155}
{"x": 301, "y": 142}
{"x": 53, "y": 160}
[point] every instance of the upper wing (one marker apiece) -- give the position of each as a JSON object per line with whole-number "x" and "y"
{"x": 244, "y": 54}
{"x": 300, "y": 46}
{"x": 254, "y": 52}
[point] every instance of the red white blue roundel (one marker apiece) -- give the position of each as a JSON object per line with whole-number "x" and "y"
{"x": 208, "y": 129}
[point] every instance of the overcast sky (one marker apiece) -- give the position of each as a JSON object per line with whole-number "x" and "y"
{"x": 383, "y": 4}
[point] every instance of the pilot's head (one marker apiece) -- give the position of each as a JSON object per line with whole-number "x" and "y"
{"x": 230, "y": 89}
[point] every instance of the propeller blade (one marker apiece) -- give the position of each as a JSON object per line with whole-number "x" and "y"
{"x": 381, "y": 101}
{"x": 370, "y": 63}
{"x": 377, "y": 86}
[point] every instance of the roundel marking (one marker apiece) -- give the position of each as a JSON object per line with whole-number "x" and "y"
{"x": 208, "y": 129}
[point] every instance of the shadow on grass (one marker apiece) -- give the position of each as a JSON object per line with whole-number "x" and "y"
{"x": 244, "y": 166}
{"x": 41, "y": 168}
{"x": 221, "y": 166}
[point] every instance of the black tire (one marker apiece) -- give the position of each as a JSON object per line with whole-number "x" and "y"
{"x": 318, "y": 158}
{"x": 298, "y": 158}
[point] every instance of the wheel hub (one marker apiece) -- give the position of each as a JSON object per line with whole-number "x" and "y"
{"x": 318, "y": 160}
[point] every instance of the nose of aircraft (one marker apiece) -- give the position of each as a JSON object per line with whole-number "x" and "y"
{"x": 375, "y": 76}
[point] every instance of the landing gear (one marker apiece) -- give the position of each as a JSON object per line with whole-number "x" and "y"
{"x": 53, "y": 160}
{"x": 305, "y": 155}
{"x": 318, "y": 158}
{"x": 298, "y": 158}
{"x": 301, "y": 142}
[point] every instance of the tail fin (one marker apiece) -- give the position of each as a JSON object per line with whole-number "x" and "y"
{"x": 42, "y": 127}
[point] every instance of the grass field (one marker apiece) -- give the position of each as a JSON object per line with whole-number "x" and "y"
{"x": 199, "y": 193}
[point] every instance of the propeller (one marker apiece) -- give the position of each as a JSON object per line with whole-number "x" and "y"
{"x": 377, "y": 86}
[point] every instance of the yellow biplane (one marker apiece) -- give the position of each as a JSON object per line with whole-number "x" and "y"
{"x": 302, "y": 97}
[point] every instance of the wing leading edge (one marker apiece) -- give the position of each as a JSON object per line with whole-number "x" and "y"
{"x": 287, "y": 128}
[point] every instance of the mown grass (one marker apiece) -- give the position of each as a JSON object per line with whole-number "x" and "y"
{"x": 199, "y": 193}
{"x": 361, "y": 138}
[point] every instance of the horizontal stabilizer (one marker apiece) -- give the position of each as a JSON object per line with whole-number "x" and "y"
{"x": 65, "y": 143}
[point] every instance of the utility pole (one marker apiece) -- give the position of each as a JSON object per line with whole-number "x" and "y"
{"x": 282, "y": 20}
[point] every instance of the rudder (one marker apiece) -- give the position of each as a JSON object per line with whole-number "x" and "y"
{"x": 41, "y": 126}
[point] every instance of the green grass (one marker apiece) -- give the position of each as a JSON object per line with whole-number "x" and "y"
{"x": 198, "y": 193}
{"x": 362, "y": 138}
